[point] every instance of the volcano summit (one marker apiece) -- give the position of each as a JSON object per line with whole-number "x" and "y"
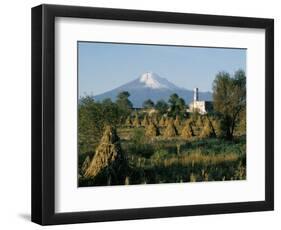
{"x": 151, "y": 86}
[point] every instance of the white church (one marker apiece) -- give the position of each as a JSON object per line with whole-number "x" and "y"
{"x": 202, "y": 107}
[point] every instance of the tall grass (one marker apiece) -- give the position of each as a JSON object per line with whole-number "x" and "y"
{"x": 187, "y": 168}
{"x": 176, "y": 161}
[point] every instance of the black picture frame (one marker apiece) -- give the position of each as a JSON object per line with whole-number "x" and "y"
{"x": 43, "y": 114}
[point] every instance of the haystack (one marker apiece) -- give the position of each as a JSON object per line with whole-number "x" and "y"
{"x": 128, "y": 121}
{"x": 136, "y": 121}
{"x": 145, "y": 121}
{"x": 187, "y": 131}
{"x": 85, "y": 164}
{"x": 208, "y": 130}
{"x": 177, "y": 122}
{"x": 170, "y": 130}
{"x": 199, "y": 122}
{"x": 167, "y": 120}
{"x": 155, "y": 119}
{"x": 162, "y": 121}
{"x": 217, "y": 126}
{"x": 152, "y": 130}
{"x": 109, "y": 163}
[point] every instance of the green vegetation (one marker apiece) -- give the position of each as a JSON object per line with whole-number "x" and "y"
{"x": 159, "y": 161}
{"x": 118, "y": 145}
{"x": 148, "y": 104}
{"x": 230, "y": 100}
{"x": 161, "y": 107}
{"x": 177, "y": 106}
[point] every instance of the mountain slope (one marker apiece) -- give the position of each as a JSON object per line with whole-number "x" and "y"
{"x": 151, "y": 86}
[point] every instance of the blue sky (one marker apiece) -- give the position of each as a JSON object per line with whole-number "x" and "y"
{"x": 104, "y": 66}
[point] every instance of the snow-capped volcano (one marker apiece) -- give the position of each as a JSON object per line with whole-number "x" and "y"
{"x": 151, "y": 86}
{"x": 152, "y": 80}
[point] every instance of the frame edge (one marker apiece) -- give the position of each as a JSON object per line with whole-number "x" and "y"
{"x": 42, "y": 211}
{"x": 36, "y": 114}
{"x": 269, "y": 114}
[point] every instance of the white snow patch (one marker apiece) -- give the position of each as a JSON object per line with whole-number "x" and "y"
{"x": 152, "y": 80}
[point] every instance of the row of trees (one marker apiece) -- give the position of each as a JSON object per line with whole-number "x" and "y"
{"x": 175, "y": 107}
{"x": 229, "y": 98}
{"x": 93, "y": 115}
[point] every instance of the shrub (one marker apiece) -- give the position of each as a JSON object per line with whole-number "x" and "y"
{"x": 160, "y": 154}
{"x": 139, "y": 145}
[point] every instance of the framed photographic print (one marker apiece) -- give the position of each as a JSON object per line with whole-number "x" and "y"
{"x": 143, "y": 114}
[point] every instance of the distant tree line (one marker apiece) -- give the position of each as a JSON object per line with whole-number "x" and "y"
{"x": 229, "y": 98}
{"x": 93, "y": 116}
{"x": 175, "y": 107}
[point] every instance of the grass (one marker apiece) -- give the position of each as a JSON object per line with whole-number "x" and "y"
{"x": 174, "y": 160}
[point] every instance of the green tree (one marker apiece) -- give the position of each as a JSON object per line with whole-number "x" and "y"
{"x": 162, "y": 107}
{"x": 89, "y": 125}
{"x": 93, "y": 116}
{"x": 177, "y": 105}
{"x": 123, "y": 100}
{"x": 124, "y": 105}
{"x": 229, "y": 96}
{"x": 148, "y": 104}
{"x": 112, "y": 114}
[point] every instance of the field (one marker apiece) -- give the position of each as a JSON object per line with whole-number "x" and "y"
{"x": 159, "y": 159}
{"x": 164, "y": 141}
